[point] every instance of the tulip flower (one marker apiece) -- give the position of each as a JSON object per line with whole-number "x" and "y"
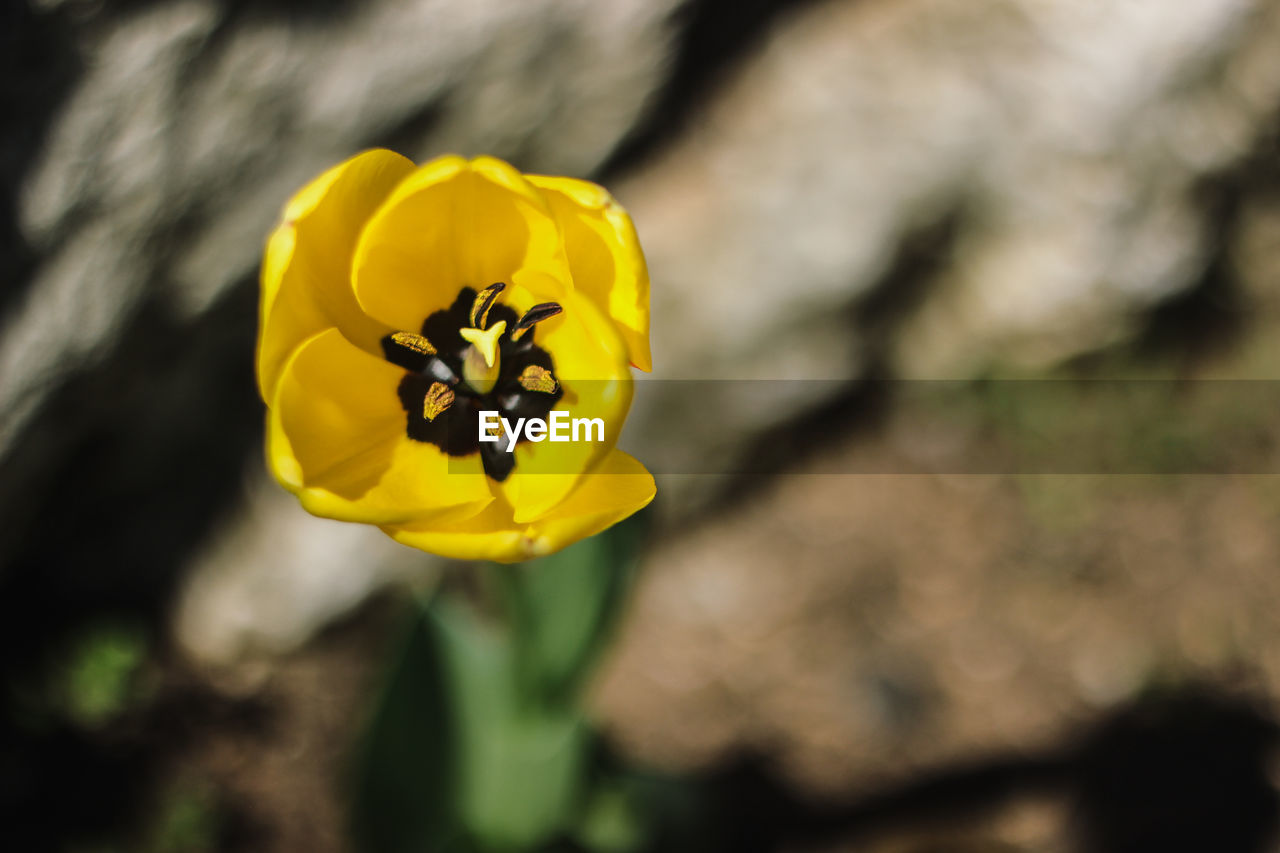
{"x": 400, "y": 302}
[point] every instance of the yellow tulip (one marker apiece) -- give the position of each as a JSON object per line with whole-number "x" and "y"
{"x": 398, "y": 302}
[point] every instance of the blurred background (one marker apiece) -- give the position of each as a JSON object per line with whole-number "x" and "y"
{"x": 918, "y": 593}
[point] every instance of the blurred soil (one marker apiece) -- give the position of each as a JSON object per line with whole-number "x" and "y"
{"x": 858, "y": 630}
{"x": 278, "y": 783}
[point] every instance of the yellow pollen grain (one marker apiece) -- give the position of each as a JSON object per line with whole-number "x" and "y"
{"x": 410, "y": 341}
{"x": 535, "y": 378}
{"x": 439, "y": 398}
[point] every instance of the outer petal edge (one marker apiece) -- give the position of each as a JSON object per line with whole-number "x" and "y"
{"x": 604, "y": 256}
{"x": 619, "y": 488}
{"x": 305, "y": 282}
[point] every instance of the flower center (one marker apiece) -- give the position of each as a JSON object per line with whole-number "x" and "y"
{"x": 474, "y": 356}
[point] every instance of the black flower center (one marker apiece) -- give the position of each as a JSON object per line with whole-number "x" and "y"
{"x": 475, "y": 356}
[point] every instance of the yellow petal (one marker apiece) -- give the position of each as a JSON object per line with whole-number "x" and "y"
{"x": 620, "y": 487}
{"x": 617, "y": 489}
{"x": 453, "y": 224}
{"x": 590, "y": 363}
{"x": 336, "y": 438}
{"x": 490, "y": 535}
{"x": 306, "y": 271}
{"x": 604, "y": 256}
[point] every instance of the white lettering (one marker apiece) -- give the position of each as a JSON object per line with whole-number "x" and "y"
{"x": 587, "y": 424}
{"x": 559, "y": 425}
{"x": 489, "y": 421}
{"x": 513, "y": 432}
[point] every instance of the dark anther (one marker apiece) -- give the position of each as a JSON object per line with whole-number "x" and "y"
{"x": 536, "y": 314}
{"x": 484, "y": 301}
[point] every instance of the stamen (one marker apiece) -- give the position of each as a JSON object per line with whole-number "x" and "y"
{"x": 411, "y": 341}
{"x": 439, "y": 398}
{"x": 484, "y": 301}
{"x": 536, "y": 314}
{"x": 535, "y": 378}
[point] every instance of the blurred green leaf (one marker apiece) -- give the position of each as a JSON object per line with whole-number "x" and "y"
{"x": 477, "y": 743}
{"x": 519, "y": 769}
{"x": 101, "y": 673}
{"x": 187, "y": 821}
{"x": 524, "y": 780}
{"x": 405, "y": 797}
{"x": 453, "y": 759}
{"x": 612, "y": 822}
{"x": 564, "y": 606}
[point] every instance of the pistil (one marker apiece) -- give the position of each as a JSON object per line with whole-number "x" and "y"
{"x": 480, "y": 362}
